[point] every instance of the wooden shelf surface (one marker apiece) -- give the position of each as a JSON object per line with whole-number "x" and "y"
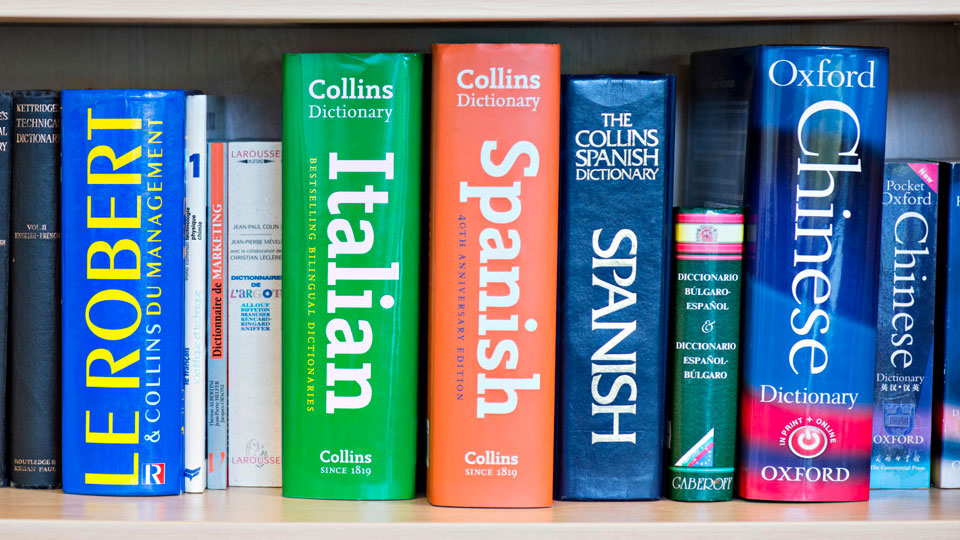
{"x": 240, "y": 513}
{"x": 306, "y": 11}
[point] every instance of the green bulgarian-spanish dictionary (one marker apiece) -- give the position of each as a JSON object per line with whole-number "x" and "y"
{"x": 351, "y": 268}
{"x": 706, "y": 350}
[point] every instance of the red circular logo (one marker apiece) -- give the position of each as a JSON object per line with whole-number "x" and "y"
{"x": 807, "y": 441}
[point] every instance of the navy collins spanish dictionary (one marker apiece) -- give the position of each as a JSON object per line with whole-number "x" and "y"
{"x": 123, "y": 153}
{"x": 616, "y": 197}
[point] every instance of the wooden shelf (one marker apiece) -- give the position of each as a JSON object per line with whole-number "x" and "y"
{"x": 234, "y": 54}
{"x": 259, "y": 513}
{"x": 304, "y": 11}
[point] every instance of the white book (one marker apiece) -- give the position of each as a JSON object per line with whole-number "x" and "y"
{"x": 253, "y": 322}
{"x": 195, "y": 296}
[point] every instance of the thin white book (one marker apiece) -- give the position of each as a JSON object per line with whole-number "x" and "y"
{"x": 195, "y": 296}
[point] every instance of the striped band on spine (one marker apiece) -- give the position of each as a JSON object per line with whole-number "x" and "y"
{"x": 705, "y": 237}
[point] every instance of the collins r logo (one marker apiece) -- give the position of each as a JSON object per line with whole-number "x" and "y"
{"x": 808, "y": 441}
{"x": 154, "y": 474}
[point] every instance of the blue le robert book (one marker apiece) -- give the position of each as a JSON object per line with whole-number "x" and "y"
{"x": 615, "y": 206}
{"x": 905, "y": 326}
{"x": 122, "y": 264}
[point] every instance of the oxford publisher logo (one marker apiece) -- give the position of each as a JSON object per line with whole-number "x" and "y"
{"x": 154, "y": 474}
{"x": 807, "y": 441}
{"x": 783, "y": 72}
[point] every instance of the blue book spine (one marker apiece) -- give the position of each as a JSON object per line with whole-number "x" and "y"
{"x": 905, "y": 327}
{"x": 946, "y": 426}
{"x": 616, "y": 199}
{"x": 122, "y": 264}
{"x": 810, "y": 123}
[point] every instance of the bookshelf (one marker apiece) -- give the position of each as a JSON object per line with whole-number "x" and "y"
{"x": 242, "y": 513}
{"x": 233, "y": 49}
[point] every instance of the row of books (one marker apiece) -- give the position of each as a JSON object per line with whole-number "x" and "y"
{"x": 583, "y": 339}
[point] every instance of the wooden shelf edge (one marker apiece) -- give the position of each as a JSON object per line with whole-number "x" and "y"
{"x": 105, "y": 530}
{"x": 430, "y": 11}
{"x": 243, "y": 513}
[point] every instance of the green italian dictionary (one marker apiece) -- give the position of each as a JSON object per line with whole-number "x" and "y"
{"x": 708, "y": 260}
{"x": 351, "y": 270}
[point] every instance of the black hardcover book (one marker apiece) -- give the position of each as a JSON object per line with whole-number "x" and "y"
{"x": 34, "y": 310}
{"x": 6, "y": 110}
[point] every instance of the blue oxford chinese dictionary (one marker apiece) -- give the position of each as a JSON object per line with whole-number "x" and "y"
{"x": 905, "y": 326}
{"x": 796, "y": 135}
{"x": 615, "y": 207}
{"x": 122, "y": 268}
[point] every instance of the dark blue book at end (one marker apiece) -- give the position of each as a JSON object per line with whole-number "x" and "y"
{"x": 616, "y": 199}
{"x": 945, "y": 461}
{"x": 122, "y": 268}
{"x": 6, "y": 139}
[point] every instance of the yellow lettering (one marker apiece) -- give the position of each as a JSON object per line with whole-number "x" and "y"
{"x": 100, "y": 381}
{"x": 109, "y": 123}
{"x": 114, "y": 177}
{"x": 111, "y": 437}
{"x": 112, "y": 272}
{"x": 118, "y": 333}
{"x": 112, "y": 221}
{"x": 106, "y": 479}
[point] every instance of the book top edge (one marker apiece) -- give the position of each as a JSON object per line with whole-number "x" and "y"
{"x": 134, "y": 92}
{"x": 354, "y": 54}
{"x": 707, "y": 210}
{"x": 798, "y": 47}
{"x": 35, "y": 94}
{"x": 640, "y": 77}
{"x": 495, "y": 46}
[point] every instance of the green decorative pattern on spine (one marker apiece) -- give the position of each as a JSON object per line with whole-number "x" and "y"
{"x": 351, "y": 269}
{"x": 708, "y": 249}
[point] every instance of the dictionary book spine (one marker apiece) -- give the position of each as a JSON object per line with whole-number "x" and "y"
{"x": 814, "y": 148}
{"x": 945, "y": 463}
{"x": 123, "y": 257}
{"x": 615, "y": 199}
{"x": 493, "y": 267}
{"x": 6, "y": 140}
{"x": 708, "y": 260}
{"x": 903, "y": 387}
{"x": 195, "y": 301}
{"x": 351, "y": 244}
{"x": 217, "y": 316}
{"x": 34, "y": 310}
{"x": 253, "y": 186}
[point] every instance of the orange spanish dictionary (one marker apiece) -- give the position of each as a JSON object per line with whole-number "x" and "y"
{"x": 493, "y": 274}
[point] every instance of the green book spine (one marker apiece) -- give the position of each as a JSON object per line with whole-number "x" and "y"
{"x": 351, "y": 271}
{"x": 706, "y": 350}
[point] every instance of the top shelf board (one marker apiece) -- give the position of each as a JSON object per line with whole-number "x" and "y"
{"x": 410, "y": 11}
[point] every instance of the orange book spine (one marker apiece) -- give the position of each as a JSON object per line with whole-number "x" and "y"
{"x": 493, "y": 274}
